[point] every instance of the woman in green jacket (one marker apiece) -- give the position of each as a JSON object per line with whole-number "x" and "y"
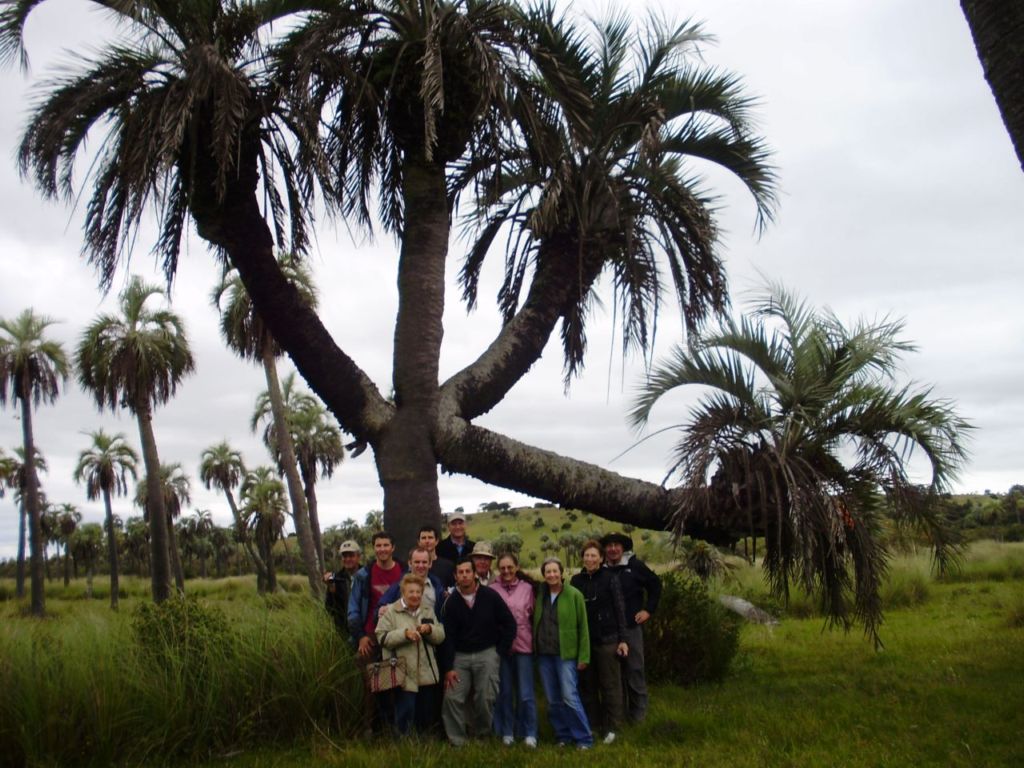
{"x": 561, "y": 639}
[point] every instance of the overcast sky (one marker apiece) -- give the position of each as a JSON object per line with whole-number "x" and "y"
{"x": 900, "y": 195}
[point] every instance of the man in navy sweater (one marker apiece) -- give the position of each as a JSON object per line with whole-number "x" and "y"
{"x": 479, "y": 629}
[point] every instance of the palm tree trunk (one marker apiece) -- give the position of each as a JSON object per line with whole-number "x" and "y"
{"x": 291, "y": 473}
{"x": 160, "y": 561}
{"x": 67, "y": 566}
{"x": 243, "y": 536}
{"x": 111, "y": 550}
{"x": 309, "y": 483}
{"x": 31, "y": 496}
{"x": 172, "y": 541}
{"x": 22, "y": 525}
{"x": 997, "y": 27}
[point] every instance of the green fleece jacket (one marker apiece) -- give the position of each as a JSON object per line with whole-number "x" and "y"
{"x": 573, "y": 633}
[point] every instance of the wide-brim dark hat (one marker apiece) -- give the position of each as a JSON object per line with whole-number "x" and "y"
{"x": 617, "y": 538}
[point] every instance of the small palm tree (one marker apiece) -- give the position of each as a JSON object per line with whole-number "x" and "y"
{"x": 86, "y": 546}
{"x": 246, "y": 334}
{"x": 175, "y": 494}
{"x": 806, "y": 437}
{"x": 68, "y": 518}
{"x": 17, "y": 479}
{"x": 104, "y": 468}
{"x": 136, "y": 360}
{"x": 264, "y": 507}
{"x": 32, "y": 369}
{"x": 221, "y": 466}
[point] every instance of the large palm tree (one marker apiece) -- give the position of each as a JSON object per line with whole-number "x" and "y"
{"x": 221, "y": 466}
{"x": 32, "y": 369}
{"x": 104, "y": 467}
{"x": 175, "y": 493}
{"x": 404, "y": 91}
{"x": 247, "y": 334}
{"x": 264, "y": 506}
{"x": 806, "y": 437}
{"x": 136, "y": 360}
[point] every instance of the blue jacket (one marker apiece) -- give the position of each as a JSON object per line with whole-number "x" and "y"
{"x": 359, "y": 602}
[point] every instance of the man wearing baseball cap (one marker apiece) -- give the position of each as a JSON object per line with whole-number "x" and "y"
{"x": 641, "y": 590}
{"x": 457, "y": 544}
{"x": 339, "y": 584}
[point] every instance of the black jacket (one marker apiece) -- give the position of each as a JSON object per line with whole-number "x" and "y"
{"x": 606, "y": 608}
{"x": 489, "y": 623}
{"x": 446, "y": 549}
{"x": 336, "y": 602}
{"x": 641, "y": 587}
{"x": 444, "y": 570}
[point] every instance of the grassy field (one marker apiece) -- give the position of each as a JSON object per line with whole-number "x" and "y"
{"x": 948, "y": 689}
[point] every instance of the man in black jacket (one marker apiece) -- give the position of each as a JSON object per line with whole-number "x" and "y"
{"x": 339, "y": 584}
{"x": 456, "y": 545}
{"x": 479, "y": 629}
{"x": 641, "y": 590}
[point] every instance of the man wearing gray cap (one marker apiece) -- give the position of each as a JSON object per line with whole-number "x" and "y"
{"x": 456, "y": 544}
{"x": 339, "y": 584}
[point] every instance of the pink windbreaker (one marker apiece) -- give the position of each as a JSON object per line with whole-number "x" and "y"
{"x": 518, "y": 596}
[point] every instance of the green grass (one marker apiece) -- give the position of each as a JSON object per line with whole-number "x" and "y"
{"x": 946, "y": 690}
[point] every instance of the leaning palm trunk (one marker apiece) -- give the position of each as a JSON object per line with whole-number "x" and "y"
{"x": 160, "y": 562}
{"x": 250, "y": 550}
{"x": 111, "y": 552}
{"x": 31, "y": 495}
{"x": 296, "y": 495}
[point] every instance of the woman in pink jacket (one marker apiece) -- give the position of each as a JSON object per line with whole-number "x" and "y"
{"x": 515, "y": 711}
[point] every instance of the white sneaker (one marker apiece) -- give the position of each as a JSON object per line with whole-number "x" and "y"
{"x": 531, "y": 742}
{"x": 609, "y": 738}
{"x": 507, "y": 741}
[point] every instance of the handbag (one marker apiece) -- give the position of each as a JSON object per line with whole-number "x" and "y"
{"x": 387, "y": 674}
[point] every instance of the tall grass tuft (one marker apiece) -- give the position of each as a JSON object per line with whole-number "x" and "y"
{"x": 179, "y": 680}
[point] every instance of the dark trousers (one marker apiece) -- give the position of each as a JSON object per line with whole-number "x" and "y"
{"x": 601, "y": 688}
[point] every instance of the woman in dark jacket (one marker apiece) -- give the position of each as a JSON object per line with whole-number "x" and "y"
{"x": 601, "y": 682}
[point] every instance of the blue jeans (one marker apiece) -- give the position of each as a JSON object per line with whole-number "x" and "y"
{"x": 405, "y": 711}
{"x": 515, "y": 711}
{"x": 565, "y": 710}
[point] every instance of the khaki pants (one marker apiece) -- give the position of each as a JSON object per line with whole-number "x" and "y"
{"x": 478, "y": 672}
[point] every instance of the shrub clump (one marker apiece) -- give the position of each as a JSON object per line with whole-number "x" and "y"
{"x": 691, "y": 639}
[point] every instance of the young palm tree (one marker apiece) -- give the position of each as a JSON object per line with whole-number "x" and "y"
{"x": 86, "y": 546}
{"x": 17, "y": 480}
{"x": 247, "y": 334}
{"x": 136, "y": 360}
{"x": 805, "y": 437}
{"x": 104, "y": 468}
{"x": 32, "y": 369}
{"x": 222, "y": 467}
{"x": 319, "y": 450}
{"x": 68, "y": 518}
{"x": 264, "y": 507}
{"x": 175, "y": 493}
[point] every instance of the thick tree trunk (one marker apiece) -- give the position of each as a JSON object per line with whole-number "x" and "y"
{"x": 406, "y": 463}
{"x": 111, "y": 550}
{"x": 159, "y": 557}
{"x": 19, "y": 588}
{"x": 31, "y": 497}
{"x": 296, "y": 495}
{"x": 997, "y": 27}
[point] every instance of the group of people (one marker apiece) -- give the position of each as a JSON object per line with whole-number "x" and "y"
{"x": 471, "y": 640}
